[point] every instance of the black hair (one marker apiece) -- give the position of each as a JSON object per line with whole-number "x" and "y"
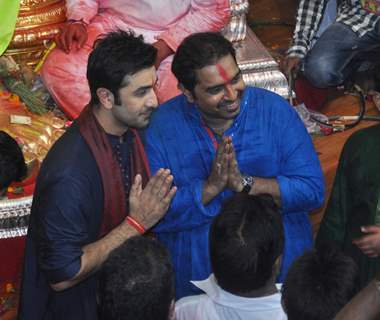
{"x": 137, "y": 281}
{"x": 196, "y": 52}
{"x": 115, "y": 56}
{"x": 246, "y": 239}
{"x": 12, "y": 162}
{"x": 319, "y": 284}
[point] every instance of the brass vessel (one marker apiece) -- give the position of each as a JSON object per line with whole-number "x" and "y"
{"x": 38, "y": 22}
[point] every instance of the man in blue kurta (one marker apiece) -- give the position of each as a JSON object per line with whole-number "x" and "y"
{"x": 87, "y": 200}
{"x": 222, "y": 137}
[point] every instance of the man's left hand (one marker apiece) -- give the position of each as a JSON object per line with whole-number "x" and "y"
{"x": 369, "y": 244}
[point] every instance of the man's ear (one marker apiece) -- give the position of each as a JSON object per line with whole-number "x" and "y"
{"x": 105, "y": 97}
{"x": 190, "y": 97}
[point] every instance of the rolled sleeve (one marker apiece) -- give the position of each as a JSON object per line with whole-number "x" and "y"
{"x": 61, "y": 225}
{"x": 64, "y": 273}
{"x": 300, "y": 194}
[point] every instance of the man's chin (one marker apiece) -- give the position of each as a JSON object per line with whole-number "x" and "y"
{"x": 231, "y": 114}
{"x": 142, "y": 124}
{"x": 232, "y": 108}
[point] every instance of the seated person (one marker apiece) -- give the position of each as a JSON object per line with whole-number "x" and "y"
{"x": 162, "y": 22}
{"x": 219, "y": 138}
{"x": 332, "y": 58}
{"x": 12, "y": 162}
{"x": 319, "y": 284}
{"x": 352, "y": 217}
{"x": 137, "y": 282}
{"x": 246, "y": 244}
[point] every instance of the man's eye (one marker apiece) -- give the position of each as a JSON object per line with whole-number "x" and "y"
{"x": 236, "y": 79}
{"x": 215, "y": 90}
{"x": 141, "y": 92}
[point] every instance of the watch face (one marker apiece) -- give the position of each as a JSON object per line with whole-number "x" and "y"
{"x": 247, "y": 181}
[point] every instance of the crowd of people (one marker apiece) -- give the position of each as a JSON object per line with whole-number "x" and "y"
{"x": 198, "y": 208}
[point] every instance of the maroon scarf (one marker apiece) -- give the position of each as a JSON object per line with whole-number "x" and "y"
{"x": 115, "y": 207}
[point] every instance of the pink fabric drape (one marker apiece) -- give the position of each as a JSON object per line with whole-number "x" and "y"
{"x": 170, "y": 20}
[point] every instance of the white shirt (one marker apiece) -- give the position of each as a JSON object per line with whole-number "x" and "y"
{"x": 219, "y": 304}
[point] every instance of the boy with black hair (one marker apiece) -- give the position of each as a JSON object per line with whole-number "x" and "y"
{"x": 137, "y": 282}
{"x": 319, "y": 284}
{"x": 246, "y": 244}
{"x": 12, "y": 162}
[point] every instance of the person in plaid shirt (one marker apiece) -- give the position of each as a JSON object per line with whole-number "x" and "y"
{"x": 330, "y": 59}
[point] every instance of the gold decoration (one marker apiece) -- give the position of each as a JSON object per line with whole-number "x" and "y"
{"x": 37, "y": 23}
{"x": 53, "y": 14}
{"x": 29, "y": 5}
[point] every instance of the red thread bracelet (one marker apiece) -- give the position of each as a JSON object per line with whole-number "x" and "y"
{"x": 138, "y": 226}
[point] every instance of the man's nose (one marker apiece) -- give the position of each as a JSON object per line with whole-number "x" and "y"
{"x": 230, "y": 93}
{"x": 152, "y": 100}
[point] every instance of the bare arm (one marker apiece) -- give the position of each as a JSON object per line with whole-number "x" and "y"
{"x": 364, "y": 306}
{"x": 147, "y": 206}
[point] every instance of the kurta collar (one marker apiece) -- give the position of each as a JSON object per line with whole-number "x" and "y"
{"x": 222, "y": 297}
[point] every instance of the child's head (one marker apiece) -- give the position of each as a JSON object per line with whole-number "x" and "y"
{"x": 12, "y": 162}
{"x": 319, "y": 284}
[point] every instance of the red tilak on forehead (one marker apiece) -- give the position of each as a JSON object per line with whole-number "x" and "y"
{"x": 222, "y": 72}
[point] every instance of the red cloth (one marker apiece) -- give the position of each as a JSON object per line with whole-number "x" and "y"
{"x": 115, "y": 207}
{"x": 12, "y": 249}
{"x": 11, "y": 257}
{"x": 314, "y": 98}
{"x": 25, "y": 187}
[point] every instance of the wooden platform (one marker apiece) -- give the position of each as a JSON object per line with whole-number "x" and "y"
{"x": 274, "y": 21}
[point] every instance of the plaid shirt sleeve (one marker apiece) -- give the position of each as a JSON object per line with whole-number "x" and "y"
{"x": 359, "y": 20}
{"x": 309, "y": 17}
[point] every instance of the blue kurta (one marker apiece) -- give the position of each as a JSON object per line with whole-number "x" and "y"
{"x": 270, "y": 141}
{"x": 66, "y": 215}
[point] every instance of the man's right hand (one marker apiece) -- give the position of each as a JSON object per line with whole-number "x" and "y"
{"x": 218, "y": 178}
{"x": 71, "y": 32}
{"x": 289, "y": 64}
{"x": 150, "y": 204}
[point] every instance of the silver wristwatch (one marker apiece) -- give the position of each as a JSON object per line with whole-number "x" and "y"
{"x": 247, "y": 182}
